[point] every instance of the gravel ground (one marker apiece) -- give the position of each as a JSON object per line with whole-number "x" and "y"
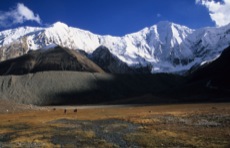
{"x": 208, "y": 120}
{"x": 111, "y": 131}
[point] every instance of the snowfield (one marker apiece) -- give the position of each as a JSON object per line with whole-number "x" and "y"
{"x": 166, "y": 47}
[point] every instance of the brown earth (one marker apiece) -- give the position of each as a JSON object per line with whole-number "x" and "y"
{"x": 178, "y": 125}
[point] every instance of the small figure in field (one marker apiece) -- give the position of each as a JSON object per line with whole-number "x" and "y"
{"x": 65, "y": 111}
{"x": 54, "y": 109}
{"x": 75, "y": 110}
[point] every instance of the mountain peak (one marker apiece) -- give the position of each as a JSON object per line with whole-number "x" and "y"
{"x": 167, "y": 24}
{"x": 164, "y": 23}
{"x": 59, "y": 25}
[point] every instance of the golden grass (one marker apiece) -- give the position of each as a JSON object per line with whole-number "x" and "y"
{"x": 158, "y": 126}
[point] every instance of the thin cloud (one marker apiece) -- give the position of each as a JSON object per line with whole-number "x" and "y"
{"x": 218, "y": 11}
{"x": 18, "y": 15}
{"x": 159, "y": 15}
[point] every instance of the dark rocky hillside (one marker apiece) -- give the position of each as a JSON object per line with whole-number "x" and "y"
{"x": 210, "y": 81}
{"x": 215, "y": 73}
{"x": 46, "y": 60}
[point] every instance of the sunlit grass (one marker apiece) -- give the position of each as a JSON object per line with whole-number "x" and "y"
{"x": 194, "y": 125}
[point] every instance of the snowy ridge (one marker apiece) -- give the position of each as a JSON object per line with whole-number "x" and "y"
{"x": 9, "y": 36}
{"x": 166, "y": 47}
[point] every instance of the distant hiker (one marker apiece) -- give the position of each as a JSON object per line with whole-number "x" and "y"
{"x": 65, "y": 111}
{"x": 75, "y": 110}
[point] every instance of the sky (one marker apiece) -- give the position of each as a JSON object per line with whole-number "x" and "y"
{"x": 113, "y": 17}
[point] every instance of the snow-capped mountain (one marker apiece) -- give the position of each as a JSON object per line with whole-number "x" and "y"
{"x": 164, "y": 47}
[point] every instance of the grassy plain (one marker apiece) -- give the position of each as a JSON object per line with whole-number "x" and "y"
{"x": 179, "y": 125}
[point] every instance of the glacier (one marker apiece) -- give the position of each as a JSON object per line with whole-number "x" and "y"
{"x": 166, "y": 47}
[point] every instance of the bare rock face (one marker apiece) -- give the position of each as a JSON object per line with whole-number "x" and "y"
{"x": 57, "y": 58}
{"x": 14, "y": 49}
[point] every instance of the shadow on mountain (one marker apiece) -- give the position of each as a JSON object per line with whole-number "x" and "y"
{"x": 117, "y": 89}
{"x": 210, "y": 81}
{"x": 217, "y": 73}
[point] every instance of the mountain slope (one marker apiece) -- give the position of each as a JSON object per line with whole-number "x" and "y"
{"x": 164, "y": 47}
{"x": 209, "y": 82}
{"x": 112, "y": 64}
{"x": 68, "y": 87}
{"x": 56, "y": 58}
{"x": 215, "y": 74}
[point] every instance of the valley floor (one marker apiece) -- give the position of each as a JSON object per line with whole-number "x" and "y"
{"x": 178, "y": 125}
